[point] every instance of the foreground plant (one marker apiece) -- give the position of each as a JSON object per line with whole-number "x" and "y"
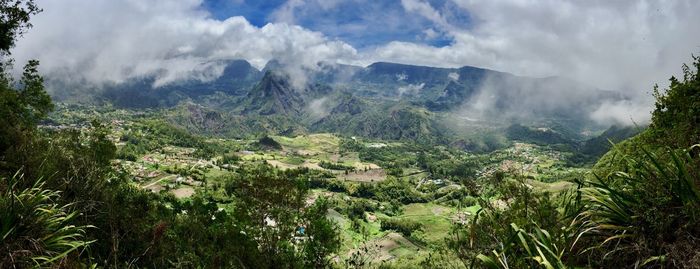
{"x": 538, "y": 246}
{"x": 34, "y": 230}
{"x": 646, "y": 215}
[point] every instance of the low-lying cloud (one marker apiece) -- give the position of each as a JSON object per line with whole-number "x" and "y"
{"x": 410, "y": 89}
{"x": 623, "y": 112}
{"x": 511, "y": 99}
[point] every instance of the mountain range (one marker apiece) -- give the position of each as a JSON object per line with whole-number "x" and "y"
{"x": 384, "y": 100}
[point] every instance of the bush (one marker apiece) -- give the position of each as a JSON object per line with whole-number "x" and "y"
{"x": 335, "y": 166}
{"x": 401, "y": 225}
{"x": 36, "y": 231}
{"x": 267, "y": 142}
{"x": 468, "y": 201}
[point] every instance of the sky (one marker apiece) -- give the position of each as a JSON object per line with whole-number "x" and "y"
{"x": 623, "y": 45}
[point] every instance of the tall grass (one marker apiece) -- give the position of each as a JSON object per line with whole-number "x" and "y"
{"x": 635, "y": 217}
{"x": 647, "y": 216}
{"x": 34, "y": 230}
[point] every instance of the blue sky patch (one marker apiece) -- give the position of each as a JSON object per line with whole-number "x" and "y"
{"x": 361, "y": 23}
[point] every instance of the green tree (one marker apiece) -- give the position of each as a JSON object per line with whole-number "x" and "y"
{"x": 14, "y": 21}
{"x": 270, "y": 206}
{"x": 676, "y": 117}
{"x": 322, "y": 236}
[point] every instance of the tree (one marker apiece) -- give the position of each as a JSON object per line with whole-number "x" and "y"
{"x": 21, "y": 108}
{"x": 14, "y": 21}
{"x": 676, "y": 117}
{"x": 270, "y": 206}
{"x": 323, "y": 238}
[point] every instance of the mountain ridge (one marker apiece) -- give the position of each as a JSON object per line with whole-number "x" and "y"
{"x": 383, "y": 100}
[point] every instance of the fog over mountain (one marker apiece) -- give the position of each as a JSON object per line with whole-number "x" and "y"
{"x": 622, "y": 46}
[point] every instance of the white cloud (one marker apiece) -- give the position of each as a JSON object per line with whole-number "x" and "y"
{"x": 625, "y": 46}
{"x": 410, "y": 89}
{"x": 453, "y": 76}
{"x": 401, "y": 77}
{"x": 287, "y": 12}
{"x": 319, "y": 108}
{"x": 623, "y": 113}
{"x": 617, "y": 45}
{"x": 114, "y": 40}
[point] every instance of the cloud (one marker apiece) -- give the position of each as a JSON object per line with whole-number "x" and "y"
{"x": 401, "y": 77}
{"x": 453, "y": 76}
{"x": 506, "y": 99}
{"x": 362, "y": 23}
{"x": 623, "y": 112}
{"x": 319, "y": 108}
{"x": 625, "y": 46}
{"x": 616, "y": 45}
{"x": 410, "y": 89}
{"x": 174, "y": 40}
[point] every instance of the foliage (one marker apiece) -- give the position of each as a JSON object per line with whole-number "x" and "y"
{"x": 401, "y": 225}
{"x": 269, "y": 207}
{"x": 520, "y": 214}
{"x": 35, "y": 230}
{"x": 335, "y": 166}
{"x": 21, "y": 108}
{"x": 538, "y": 246}
{"x": 323, "y": 236}
{"x": 676, "y": 116}
{"x": 645, "y": 215}
{"x": 14, "y": 21}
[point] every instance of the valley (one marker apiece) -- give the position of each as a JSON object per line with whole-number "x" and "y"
{"x": 369, "y": 183}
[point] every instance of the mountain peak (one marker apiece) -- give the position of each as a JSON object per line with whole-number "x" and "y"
{"x": 273, "y": 95}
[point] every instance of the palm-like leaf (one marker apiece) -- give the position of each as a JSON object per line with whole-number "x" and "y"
{"x": 612, "y": 212}
{"x": 35, "y": 230}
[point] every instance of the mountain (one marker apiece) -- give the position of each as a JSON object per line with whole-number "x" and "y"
{"x": 601, "y": 144}
{"x": 453, "y": 95}
{"x": 394, "y": 122}
{"x": 383, "y": 100}
{"x": 274, "y": 94}
{"x": 390, "y": 73}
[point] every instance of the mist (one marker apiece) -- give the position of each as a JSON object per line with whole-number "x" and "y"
{"x": 506, "y": 99}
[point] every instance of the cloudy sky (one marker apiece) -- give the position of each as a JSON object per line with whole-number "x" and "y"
{"x": 619, "y": 45}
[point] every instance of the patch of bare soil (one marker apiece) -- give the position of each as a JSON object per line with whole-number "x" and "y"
{"x": 281, "y": 165}
{"x": 372, "y": 175}
{"x": 183, "y": 192}
{"x": 379, "y": 250}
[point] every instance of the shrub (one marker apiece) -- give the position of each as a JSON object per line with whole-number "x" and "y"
{"x": 35, "y": 231}
{"x": 401, "y": 225}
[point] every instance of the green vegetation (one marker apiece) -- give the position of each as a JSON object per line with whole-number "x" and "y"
{"x": 335, "y": 166}
{"x": 641, "y": 213}
{"x": 89, "y": 187}
{"x": 35, "y": 230}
